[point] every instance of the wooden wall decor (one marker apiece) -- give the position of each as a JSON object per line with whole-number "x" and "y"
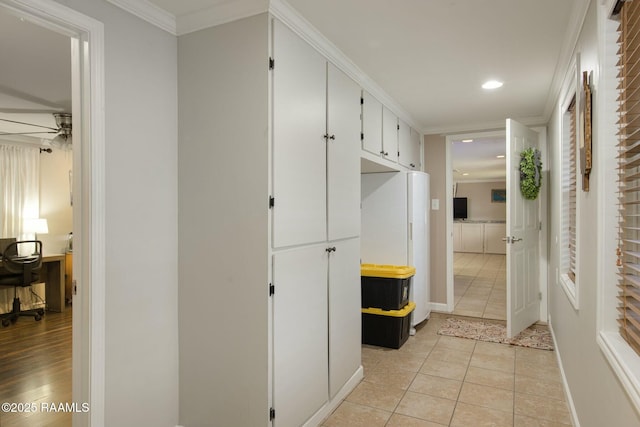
{"x": 586, "y": 158}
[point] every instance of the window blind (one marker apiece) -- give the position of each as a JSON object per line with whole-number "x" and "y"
{"x": 571, "y": 200}
{"x": 629, "y": 171}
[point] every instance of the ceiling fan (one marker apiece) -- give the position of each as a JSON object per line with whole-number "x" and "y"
{"x": 62, "y": 132}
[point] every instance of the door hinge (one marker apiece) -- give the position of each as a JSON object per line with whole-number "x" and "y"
{"x": 398, "y": 154}
{"x": 361, "y": 100}
{"x": 540, "y": 296}
{"x": 540, "y": 226}
{"x": 398, "y": 127}
{"x": 272, "y": 63}
{"x": 75, "y": 287}
{"x": 361, "y": 136}
{"x": 272, "y": 414}
{"x": 272, "y": 289}
{"x": 272, "y": 202}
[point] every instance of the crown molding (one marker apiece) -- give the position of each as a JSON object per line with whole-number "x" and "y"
{"x": 149, "y": 12}
{"x": 479, "y": 127}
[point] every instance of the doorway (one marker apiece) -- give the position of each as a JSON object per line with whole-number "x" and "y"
{"x": 479, "y": 217}
{"x": 87, "y": 184}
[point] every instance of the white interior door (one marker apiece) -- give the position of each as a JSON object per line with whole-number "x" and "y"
{"x": 523, "y": 234}
{"x": 300, "y": 343}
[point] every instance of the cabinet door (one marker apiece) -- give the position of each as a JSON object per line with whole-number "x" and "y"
{"x": 472, "y": 238}
{"x": 404, "y": 144}
{"x": 299, "y": 146}
{"x": 389, "y": 135}
{"x": 343, "y": 155}
{"x": 493, "y": 234}
{"x": 371, "y": 124}
{"x": 300, "y": 343}
{"x": 344, "y": 313}
{"x": 415, "y": 161}
{"x": 457, "y": 237}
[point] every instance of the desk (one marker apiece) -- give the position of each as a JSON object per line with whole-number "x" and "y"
{"x": 52, "y": 274}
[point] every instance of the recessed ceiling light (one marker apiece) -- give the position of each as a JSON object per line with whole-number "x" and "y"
{"x": 492, "y": 84}
{"x": 467, "y": 140}
{"x": 465, "y": 174}
{"x": 500, "y": 156}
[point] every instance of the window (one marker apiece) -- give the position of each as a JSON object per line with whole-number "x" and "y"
{"x": 629, "y": 174}
{"x": 568, "y": 138}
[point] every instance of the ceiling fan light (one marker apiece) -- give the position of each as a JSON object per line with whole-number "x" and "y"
{"x": 62, "y": 141}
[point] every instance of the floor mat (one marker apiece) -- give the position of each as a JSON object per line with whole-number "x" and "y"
{"x": 536, "y": 336}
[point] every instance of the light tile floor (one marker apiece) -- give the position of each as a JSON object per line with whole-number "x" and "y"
{"x": 435, "y": 381}
{"x": 480, "y": 285}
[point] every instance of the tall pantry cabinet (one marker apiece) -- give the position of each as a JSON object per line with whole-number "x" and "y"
{"x": 269, "y": 225}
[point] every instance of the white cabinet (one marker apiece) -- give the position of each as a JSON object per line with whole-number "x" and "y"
{"x": 472, "y": 237}
{"x": 267, "y": 226}
{"x": 343, "y": 155}
{"x": 299, "y": 144}
{"x": 493, "y": 235}
{"x": 344, "y": 313}
{"x": 415, "y": 161}
{"x": 404, "y": 143}
{"x": 389, "y": 135}
{"x": 300, "y": 347}
{"x": 479, "y": 237}
{"x": 457, "y": 237}
{"x": 371, "y": 124}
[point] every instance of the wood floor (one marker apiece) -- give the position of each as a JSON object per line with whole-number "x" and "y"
{"x": 35, "y": 368}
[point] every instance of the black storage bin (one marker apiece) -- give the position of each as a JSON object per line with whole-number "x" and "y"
{"x": 386, "y": 328}
{"x": 385, "y": 286}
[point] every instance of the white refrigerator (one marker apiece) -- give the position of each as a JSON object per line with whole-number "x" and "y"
{"x": 395, "y": 228}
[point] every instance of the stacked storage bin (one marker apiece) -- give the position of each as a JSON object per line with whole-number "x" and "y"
{"x": 386, "y": 309}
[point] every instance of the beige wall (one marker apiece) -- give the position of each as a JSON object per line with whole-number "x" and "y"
{"x": 479, "y": 205}
{"x": 435, "y": 149}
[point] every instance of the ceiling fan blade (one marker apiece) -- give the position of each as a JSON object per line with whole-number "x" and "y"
{"x": 29, "y": 124}
{"x": 26, "y": 133}
{"x": 30, "y": 110}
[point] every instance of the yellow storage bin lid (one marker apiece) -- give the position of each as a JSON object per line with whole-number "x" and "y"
{"x": 387, "y": 271}
{"x": 392, "y": 313}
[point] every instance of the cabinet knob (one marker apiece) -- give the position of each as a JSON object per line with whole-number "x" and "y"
{"x": 412, "y": 165}
{"x": 332, "y": 137}
{"x": 328, "y": 137}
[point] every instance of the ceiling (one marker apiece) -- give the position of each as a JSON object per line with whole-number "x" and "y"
{"x": 35, "y": 75}
{"x": 430, "y": 57}
{"x": 477, "y": 160}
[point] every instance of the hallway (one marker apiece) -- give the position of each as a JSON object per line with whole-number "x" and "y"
{"x": 435, "y": 381}
{"x": 480, "y": 285}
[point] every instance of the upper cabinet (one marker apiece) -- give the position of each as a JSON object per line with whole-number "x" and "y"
{"x": 299, "y": 147}
{"x": 404, "y": 144}
{"x": 389, "y": 135}
{"x": 415, "y": 161}
{"x": 371, "y": 124}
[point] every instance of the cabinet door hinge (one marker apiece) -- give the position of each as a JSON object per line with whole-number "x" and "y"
{"x": 398, "y": 127}
{"x": 272, "y": 289}
{"x": 540, "y": 296}
{"x": 272, "y": 63}
{"x": 361, "y": 136}
{"x": 272, "y": 414}
{"x": 361, "y": 100}
{"x": 272, "y": 202}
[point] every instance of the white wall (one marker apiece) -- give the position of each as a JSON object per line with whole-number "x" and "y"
{"x": 141, "y": 354}
{"x": 597, "y": 394}
{"x": 223, "y": 224}
{"x": 479, "y": 204}
{"x": 55, "y": 203}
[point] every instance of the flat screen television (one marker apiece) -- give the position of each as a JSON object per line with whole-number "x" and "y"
{"x": 459, "y": 208}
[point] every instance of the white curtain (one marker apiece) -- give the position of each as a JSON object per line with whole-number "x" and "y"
{"x": 19, "y": 199}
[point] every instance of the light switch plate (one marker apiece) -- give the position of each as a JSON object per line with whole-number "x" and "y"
{"x": 435, "y": 204}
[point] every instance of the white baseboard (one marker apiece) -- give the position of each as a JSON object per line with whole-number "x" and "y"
{"x": 565, "y": 385}
{"x": 442, "y": 308}
{"x": 331, "y": 405}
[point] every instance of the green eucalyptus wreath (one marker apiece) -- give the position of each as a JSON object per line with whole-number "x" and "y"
{"x": 530, "y": 173}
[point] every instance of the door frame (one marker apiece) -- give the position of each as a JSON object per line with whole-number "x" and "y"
{"x": 543, "y": 256}
{"x": 88, "y": 94}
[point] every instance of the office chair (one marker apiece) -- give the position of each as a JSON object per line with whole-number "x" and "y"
{"x": 20, "y": 271}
